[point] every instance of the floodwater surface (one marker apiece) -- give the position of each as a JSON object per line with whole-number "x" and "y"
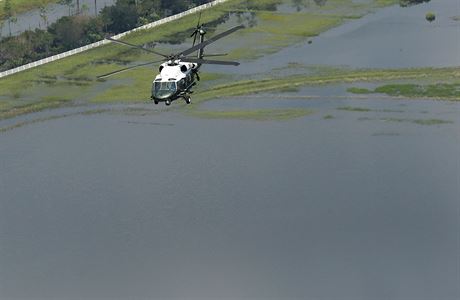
{"x": 359, "y": 200}
{"x": 124, "y": 206}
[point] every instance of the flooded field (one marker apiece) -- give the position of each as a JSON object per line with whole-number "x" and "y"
{"x": 32, "y": 19}
{"x": 393, "y": 37}
{"x": 358, "y": 199}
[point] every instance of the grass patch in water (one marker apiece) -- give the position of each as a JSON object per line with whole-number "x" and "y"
{"x": 426, "y": 122}
{"x": 438, "y": 90}
{"x": 418, "y": 121}
{"x": 137, "y": 88}
{"x": 246, "y": 87}
{"x": 414, "y": 90}
{"x": 356, "y": 90}
{"x": 431, "y": 122}
{"x": 328, "y": 117}
{"x": 352, "y": 108}
{"x": 384, "y": 3}
{"x": 256, "y": 115}
{"x": 34, "y": 107}
{"x": 296, "y": 24}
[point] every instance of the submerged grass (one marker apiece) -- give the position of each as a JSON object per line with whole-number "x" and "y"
{"x": 256, "y": 115}
{"x": 426, "y": 122}
{"x": 356, "y": 90}
{"x": 438, "y": 90}
{"x": 352, "y": 108}
{"x": 50, "y": 118}
{"x": 431, "y": 121}
{"x": 34, "y": 107}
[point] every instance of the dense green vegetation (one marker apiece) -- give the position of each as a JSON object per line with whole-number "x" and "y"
{"x": 75, "y": 31}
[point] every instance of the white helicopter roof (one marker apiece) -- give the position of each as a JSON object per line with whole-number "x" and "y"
{"x": 175, "y": 71}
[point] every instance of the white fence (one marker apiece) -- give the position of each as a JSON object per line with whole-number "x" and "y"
{"x": 103, "y": 42}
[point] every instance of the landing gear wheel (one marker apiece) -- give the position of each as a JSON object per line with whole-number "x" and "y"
{"x": 168, "y": 102}
{"x": 155, "y": 101}
{"x": 188, "y": 99}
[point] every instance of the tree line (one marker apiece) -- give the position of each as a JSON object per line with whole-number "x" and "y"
{"x": 77, "y": 30}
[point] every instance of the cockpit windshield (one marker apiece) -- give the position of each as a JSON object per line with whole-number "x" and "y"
{"x": 164, "y": 89}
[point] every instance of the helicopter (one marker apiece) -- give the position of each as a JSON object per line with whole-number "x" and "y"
{"x": 179, "y": 72}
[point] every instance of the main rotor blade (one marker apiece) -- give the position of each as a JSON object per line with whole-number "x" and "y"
{"x": 128, "y": 68}
{"x": 211, "y": 40}
{"x": 199, "y": 19}
{"x": 211, "y": 62}
{"x": 194, "y": 36}
{"x": 136, "y": 46}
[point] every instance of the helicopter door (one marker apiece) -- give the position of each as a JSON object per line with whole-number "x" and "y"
{"x": 182, "y": 84}
{"x": 189, "y": 79}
